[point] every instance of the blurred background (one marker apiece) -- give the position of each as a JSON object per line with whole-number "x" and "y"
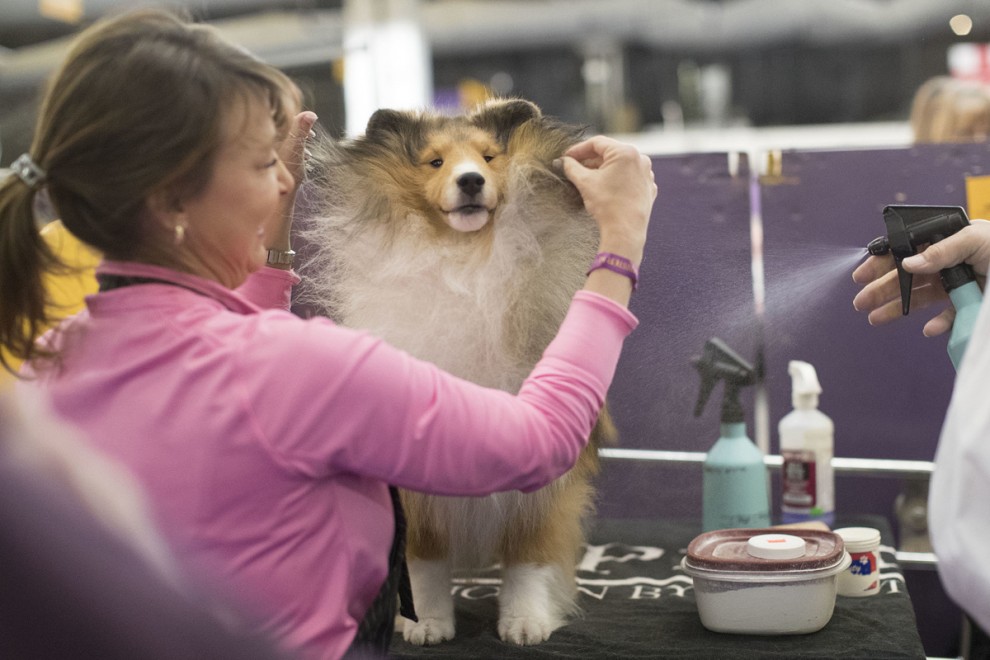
{"x": 680, "y": 75}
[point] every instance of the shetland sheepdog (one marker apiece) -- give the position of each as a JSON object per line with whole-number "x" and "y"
{"x": 453, "y": 238}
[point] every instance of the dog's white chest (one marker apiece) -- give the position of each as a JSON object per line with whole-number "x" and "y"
{"x": 452, "y": 308}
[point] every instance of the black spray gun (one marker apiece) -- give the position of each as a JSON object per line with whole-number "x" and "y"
{"x": 734, "y": 486}
{"x": 912, "y": 226}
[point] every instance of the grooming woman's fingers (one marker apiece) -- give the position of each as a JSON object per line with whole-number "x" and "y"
{"x": 616, "y": 183}
{"x": 292, "y": 150}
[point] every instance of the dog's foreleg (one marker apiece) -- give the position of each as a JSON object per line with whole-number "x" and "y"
{"x": 431, "y": 587}
{"x": 529, "y": 603}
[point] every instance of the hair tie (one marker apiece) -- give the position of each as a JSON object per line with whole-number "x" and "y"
{"x": 28, "y": 171}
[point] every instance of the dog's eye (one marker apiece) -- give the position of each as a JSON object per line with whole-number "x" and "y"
{"x": 488, "y": 159}
{"x": 437, "y": 162}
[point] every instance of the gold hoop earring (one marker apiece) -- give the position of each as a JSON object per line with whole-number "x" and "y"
{"x": 180, "y": 234}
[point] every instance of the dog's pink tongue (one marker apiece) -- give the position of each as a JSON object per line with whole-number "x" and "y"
{"x": 468, "y": 221}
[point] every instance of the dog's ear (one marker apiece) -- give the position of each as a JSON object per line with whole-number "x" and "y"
{"x": 386, "y": 121}
{"x": 503, "y": 117}
{"x": 396, "y": 128}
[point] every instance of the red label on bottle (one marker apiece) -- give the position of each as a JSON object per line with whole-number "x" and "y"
{"x": 799, "y": 485}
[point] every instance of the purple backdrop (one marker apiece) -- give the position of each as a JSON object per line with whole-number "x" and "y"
{"x": 695, "y": 284}
{"x": 886, "y": 388}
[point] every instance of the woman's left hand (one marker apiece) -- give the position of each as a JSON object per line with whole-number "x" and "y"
{"x": 292, "y": 153}
{"x": 292, "y": 150}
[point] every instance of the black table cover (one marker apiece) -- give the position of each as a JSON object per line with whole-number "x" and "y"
{"x": 637, "y": 603}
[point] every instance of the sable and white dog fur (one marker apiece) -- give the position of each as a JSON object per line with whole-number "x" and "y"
{"x": 454, "y": 239}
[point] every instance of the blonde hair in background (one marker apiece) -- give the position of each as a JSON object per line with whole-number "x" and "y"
{"x": 947, "y": 109}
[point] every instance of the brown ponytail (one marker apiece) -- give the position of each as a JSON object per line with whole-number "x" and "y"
{"x": 24, "y": 257}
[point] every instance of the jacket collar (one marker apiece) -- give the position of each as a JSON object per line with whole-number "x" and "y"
{"x": 209, "y": 288}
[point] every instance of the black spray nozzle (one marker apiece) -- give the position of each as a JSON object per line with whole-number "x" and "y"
{"x": 912, "y": 226}
{"x": 719, "y": 362}
{"x": 879, "y": 246}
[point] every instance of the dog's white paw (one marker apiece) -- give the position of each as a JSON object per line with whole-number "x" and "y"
{"x": 428, "y": 631}
{"x": 524, "y": 631}
{"x": 530, "y": 603}
{"x": 434, "y": 603}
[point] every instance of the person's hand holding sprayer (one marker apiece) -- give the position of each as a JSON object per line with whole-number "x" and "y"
{"x": 880, "y": 296}
{"x": 958, "y": 523}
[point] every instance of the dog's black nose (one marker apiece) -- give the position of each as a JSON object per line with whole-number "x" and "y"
{"x": 471, "y": 183}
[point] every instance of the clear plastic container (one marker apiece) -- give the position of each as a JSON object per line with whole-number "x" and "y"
{"x": 764, "y": 581}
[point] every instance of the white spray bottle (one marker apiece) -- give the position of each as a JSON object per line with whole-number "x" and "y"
{"x": 806, "y": 445}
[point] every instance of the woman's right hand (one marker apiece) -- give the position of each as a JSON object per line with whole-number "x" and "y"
{"x": 881, "y": 295}
{"x": 616, "y": 183}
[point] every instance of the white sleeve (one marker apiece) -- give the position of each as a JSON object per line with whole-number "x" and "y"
{"x": 959, "y": 500}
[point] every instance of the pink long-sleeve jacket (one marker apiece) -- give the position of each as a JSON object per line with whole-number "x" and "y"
{"x": 266, "y": 442}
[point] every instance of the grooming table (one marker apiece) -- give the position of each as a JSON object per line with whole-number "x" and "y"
{"x": 637, "y": 603}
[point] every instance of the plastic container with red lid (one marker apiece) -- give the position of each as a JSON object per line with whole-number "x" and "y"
{"x": 765, "y": 581}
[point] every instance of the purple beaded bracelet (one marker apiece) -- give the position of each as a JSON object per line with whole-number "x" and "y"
{"x": 616, "y": 264}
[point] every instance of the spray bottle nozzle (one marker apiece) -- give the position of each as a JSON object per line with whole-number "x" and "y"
{"x": 719, "y": 362}
{"x": 879, "y": 246}
{"x": 805, "y": 387}
{"x": 912, "y": 226}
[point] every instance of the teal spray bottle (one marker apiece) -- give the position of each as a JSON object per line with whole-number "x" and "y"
{"x": 735, "y": 481}
{"x": 912, "y": 226}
